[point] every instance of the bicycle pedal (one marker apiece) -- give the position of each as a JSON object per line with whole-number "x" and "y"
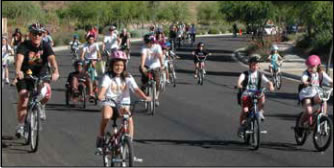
{"x": 139, "y": 160}
{"x": 264, "y": 132}
{"x": 248, "y": 132}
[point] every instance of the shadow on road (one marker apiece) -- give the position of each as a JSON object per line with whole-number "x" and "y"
{"x": 70, "y": 108}
{"x": 288, "y": 117}
{"x": 223, "y": 145}
{"x": 215, "y": 73}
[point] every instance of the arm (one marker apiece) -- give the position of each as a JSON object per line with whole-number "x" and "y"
{"x": 83, "y": 54}
{"x": 141, "y": 94}
{"x": 54, "y": 66}
{"x": 143, "y": 60}
{"x": 270, "y": 85}
{"x": 128, "y": 42}
{"x": 102, "y": 93}
{"x": 18, "y": 65}
{"x": 240, "y": 80}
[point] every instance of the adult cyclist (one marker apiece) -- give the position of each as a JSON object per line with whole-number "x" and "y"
{"x": 33, "y": 56}
{"x": 111, "y": 42}
{"x": 125, "y": 42}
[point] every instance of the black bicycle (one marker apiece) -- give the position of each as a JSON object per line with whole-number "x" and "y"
{"x": 151, "y": 91}
{"x": 32, "y": 124}
{"x": 118, "y": 148}
{"x": 82, "y": 97}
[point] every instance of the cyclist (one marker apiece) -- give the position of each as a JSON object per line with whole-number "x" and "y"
{"x": 6, "y": 50}
{"x": 151, "y": 59}
{"x": 275, "y": 59}
{"x": 17, "y": 39}
{"x": 75, "y": 43}
{"x": 111, "y": 42}
{"x": 74, "y": 77}
{"x": 251, "y": 80}
{"x": 199, "y": 54}
{"x": 313, "y": 77}
{"x": 116, "y": 84}
{"x": 160, "y": 38}
{"x": 47, "y": 38}
{"x": 35, "y": 56}
{"x": 125, "y": 42}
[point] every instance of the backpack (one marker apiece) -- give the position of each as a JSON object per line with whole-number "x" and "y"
{"x": 302, "y": 86}
{"x": 245, "y": 83}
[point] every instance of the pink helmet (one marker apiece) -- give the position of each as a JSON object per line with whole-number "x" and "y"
{"x": 119, "y": 55}
{"x": 313, "y": 60}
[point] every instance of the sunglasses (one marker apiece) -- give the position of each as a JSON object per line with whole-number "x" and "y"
{"x": 35, "y": 34}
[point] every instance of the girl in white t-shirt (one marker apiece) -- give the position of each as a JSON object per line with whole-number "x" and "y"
{"x": 6, "y": 50}
{"x": 91, "y": 51}
{"x": 116, "y": 85}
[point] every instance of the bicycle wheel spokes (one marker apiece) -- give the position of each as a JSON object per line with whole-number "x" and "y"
{"x": 322, "y": 136}
{"x": 300, "y": 132}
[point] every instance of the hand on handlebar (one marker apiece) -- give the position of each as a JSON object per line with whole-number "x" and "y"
{"x": 148, "y": 98}
{"x": 20, "y": 75}
{"x": 55, "y": 76}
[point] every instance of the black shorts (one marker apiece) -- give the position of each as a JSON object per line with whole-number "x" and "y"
{"x": 24, "y": 84}
{"x": 196, "y": 60}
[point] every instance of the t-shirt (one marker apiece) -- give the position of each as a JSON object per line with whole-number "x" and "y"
{"x": 91, "y": 51}
{"x": 75, "y": 44}
{"x": 118, "y": 89}
{"x": 309, "y": 92}
{"x": 5, "y": 50}
{"x": 124, "y": 39}
{"x": 35, "y": 58}
{"x": 83, "y": 75}
{"x": 152, "y": 56}
{"x": 200, "y": 54}
{"x": 253, "y": 80}
{"x": 111, "y": 42}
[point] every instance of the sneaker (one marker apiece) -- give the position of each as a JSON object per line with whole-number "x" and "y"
{"x": 195, "y": 76}
{"x": 7, "y": 81}
{"x": 157, "y": 103}
{"x": 261, "y": 116}
{"x": 19, "y": 130}
{"x": 241, "y": 131}
{"x": 42, "y": 112}
{"x": 99, "y": 146}
{"x": 168, "y": 82}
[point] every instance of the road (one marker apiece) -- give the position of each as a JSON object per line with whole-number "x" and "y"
{"x": 194, "y": 125}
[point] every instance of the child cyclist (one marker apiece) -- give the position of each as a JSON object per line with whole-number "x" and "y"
{"x": 275, "y": 59}
{"x": 313, "y": 77}
{"x": 115, "y": 85}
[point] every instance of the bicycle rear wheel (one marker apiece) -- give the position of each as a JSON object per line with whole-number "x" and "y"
{"x": 127, "y": 155}
{"x": 300, "y": 132}
{"x": 154, "y": 90}
{"x": 172, "y": 76}
{"x": 323, "y": 133}
{"x": 201, "y": 74}
{"x": 34, "y": 129}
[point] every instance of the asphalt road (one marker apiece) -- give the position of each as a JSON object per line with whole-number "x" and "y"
{"x": 194, "y": 125}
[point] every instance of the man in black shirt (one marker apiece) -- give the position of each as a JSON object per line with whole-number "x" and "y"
{"x": 125, "y": 42}
{"x": 33, "y": 56}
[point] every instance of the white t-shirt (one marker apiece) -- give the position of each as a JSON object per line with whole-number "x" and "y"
{"x": 117, "y": 89}
{"x": 5, "y": 51}
{"x": 152, "y": 56}
{"x": 111, "y": 42}
{"x": 310, "y": 92}
{"x": 252, "y": 81}
{"x": 91, "y": 51}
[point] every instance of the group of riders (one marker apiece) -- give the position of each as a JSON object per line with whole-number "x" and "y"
{"x": 37, "y": 57}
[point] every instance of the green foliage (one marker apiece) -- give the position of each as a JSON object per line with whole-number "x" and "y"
{"x": 173, "y": 12}
{"x": 209, "y": 12}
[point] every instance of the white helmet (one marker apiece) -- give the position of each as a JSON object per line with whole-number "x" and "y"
{"x": 274, "y": 47}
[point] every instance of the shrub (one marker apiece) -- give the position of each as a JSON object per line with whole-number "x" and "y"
{"x": 213, "y": 30}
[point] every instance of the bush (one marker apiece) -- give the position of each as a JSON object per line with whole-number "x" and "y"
{"x": 213, "y": 30}
{"x": 138, "y": 33}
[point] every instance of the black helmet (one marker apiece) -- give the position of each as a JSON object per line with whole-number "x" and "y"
{"x": 78, "y": 62}
{"x": 199, "y": 44}
{"x": 37, "y": 28}
{"x": 148, "y": 38}
{"x": 253, "y": 59}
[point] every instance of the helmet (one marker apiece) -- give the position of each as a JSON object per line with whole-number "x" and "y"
{"x": 199, "y": 44}
{"x": 112, "y": 28}
{"x": 168, "y": 44}
{"x": 274, "y": 47}
{"x": 253, "y": 59}
{"x": 148, "y": 38}
{"x": 17, "y": 30}
{"x": 313, "y": 60}
{"x": 76, "y": 36}
{"x": 119, "y": 55}
{"x": 78, "y": 62}
{"x": 36, "y": 27}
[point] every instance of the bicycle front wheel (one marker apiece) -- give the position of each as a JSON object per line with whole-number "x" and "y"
{"x": 34, "y": 129}
{"x": 255, "y": 136}
{"x": 278, "y": 81}
{"x": 322, "y": 135}
{"x": 127, "y": 152}
{"x": 107, "y": 157}
{"x": 300, "y": 132}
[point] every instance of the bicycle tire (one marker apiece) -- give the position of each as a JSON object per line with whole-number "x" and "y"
{"x": 83, "y": 96}
{"x": 300, "y": 133}
{"x": 255, "y": 136}
{"x": 67, "y": 97}
{"x": 107, "y": 159}
{"x": 154, "y": 90}
{"x": 202, "y": 77}
{"x": 279, "y": 81}
{"x": 322, "y": 121}
{"x": 34, "y": 130}
{"x": 127, "y": 153}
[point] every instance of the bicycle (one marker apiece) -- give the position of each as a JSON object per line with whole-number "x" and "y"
{"x": 117, "y": 148}
{"x": 321, "y": 127}
{"x": 75, "y": 53}
{"x": 82, "y": 93}
{"x": 150, "y": 90}
{"x": 93, "y": 77}
{"x": 252, "y": 126}
{"x": 171, "y": 70}
{"x": 201, "y": 69}
{"x": 32, "y": 123}
{"x": 277, "y": 76}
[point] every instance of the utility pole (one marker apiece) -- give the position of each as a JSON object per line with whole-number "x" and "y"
{"x": 329, "y": 59}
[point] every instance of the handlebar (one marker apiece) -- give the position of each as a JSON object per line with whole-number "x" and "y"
{"x": 324, "y": 94}
{"x": 35, "y": 78}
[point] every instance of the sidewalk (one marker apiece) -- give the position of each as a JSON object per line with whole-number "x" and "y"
{"x": 293, "y": 66}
